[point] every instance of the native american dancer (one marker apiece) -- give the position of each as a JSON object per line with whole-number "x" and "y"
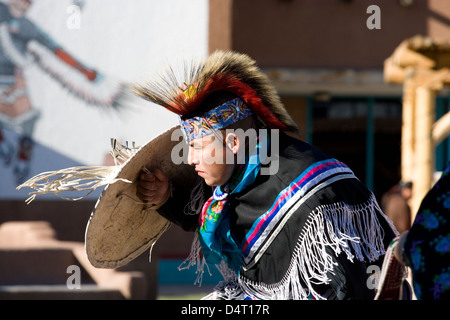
{"x": 300, "y": 226}
{"x": 279, "y": 218}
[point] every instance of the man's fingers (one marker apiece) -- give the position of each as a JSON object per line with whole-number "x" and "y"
{"x": 160, "y": 175}
{"x": 152, "y": 186}
{"x": 156, "y": 175}
{"x": 146, "y": 185}
{"x": 145, "y": 194}
{"x": 150, "y": 177}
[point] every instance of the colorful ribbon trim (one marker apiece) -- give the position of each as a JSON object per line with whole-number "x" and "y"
{"x": 315, "y": 175}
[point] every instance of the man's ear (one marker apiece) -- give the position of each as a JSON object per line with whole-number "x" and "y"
{"x": 232, "y": 142}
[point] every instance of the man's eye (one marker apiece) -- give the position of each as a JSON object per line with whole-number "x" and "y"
{"x": 196, "y": 146}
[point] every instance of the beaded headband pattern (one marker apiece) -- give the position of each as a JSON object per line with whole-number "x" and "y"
{"x": 218, "y": 118}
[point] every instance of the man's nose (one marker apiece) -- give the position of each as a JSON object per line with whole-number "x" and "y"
{"x": 192, "y": 158}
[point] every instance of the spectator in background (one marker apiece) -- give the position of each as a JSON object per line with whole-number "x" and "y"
{"x": 395, "y": 205}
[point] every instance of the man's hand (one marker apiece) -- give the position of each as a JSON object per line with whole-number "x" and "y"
{"x": 153, "y": 187}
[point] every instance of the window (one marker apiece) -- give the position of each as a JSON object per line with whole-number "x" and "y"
{"x": 364, "y": 133}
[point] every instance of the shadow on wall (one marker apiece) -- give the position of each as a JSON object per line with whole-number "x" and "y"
{"x": 43, "y": 159}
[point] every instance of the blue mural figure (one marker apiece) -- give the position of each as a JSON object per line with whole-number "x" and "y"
{"x": 23, "y": 43}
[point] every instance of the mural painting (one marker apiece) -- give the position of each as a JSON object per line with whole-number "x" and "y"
{"x": 22, "y": 43}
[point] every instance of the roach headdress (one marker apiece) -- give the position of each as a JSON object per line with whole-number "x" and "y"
{"x": 222, "y": 72}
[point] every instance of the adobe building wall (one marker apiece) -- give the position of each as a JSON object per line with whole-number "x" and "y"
{"x": 321, "y": 33}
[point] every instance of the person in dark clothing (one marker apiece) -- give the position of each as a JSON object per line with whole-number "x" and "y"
{"x": 279, "y": 218}
{"x": 425, "y": 247}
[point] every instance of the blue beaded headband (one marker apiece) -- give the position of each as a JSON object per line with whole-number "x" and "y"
{"x": 218, "y": 118}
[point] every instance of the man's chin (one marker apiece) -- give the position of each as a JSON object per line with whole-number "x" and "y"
{"x": 211, "y": 183}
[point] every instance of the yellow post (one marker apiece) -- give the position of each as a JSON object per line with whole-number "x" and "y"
{"x": 422, "y": 75}
{"x": 423, "y": 151}
{"x": 407, "y": 146}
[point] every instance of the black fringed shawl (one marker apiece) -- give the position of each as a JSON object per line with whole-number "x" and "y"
{"x": 309, "y": 231}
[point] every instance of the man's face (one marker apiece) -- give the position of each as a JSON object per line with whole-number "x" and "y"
{"x": 209, "y": 155}
{"x": 18, "y": 7}
{"x": 406, "y": 193}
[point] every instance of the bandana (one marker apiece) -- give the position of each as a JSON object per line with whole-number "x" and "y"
{"x": 214, "y": 224}
{"x": 218, "y": 118}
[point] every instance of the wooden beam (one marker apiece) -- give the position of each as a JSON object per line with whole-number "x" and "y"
{"x": 423, "y": 150}
{"x": 404, "y": 57}
{"x": 441, "y": 129}
{"x": 407, "y": 145}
